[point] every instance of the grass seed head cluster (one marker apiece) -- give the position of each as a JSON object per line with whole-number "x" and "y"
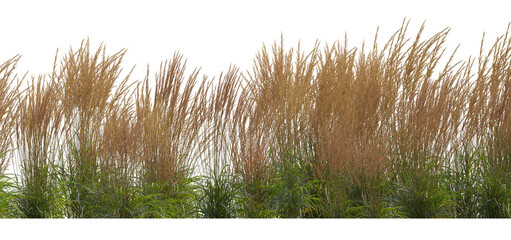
{"x": 401, "y": 129}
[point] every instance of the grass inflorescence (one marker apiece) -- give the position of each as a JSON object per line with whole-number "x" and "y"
{"x": 400, "y": 129}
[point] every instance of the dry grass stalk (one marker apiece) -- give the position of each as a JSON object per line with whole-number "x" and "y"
{"x": 220, "y": 126}
{"x": 427, "y": 112}
{"x": 347, "y": 114}
{"x": 281, "y": 87}
{"x": 250, "y": 150}
{"x": 87, "y": 82}
{"x": 8, "y": 113}
{"x": 120, "y": 145}
{"x": 39, "y": 115}
{"x": 489, "y": 105}
{"x": 37, "y": 144}
{"x": 276, "y": 135}
{"x": 171, "y": 122}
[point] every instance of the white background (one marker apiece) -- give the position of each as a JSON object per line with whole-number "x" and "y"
{"x": 215, "y": 34}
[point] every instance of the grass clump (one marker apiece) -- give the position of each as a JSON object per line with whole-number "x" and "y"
{"x": 37, "y": 139}
{"x": 395, "y": 130}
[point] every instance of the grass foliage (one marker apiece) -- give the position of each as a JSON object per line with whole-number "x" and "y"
{"x": 390, "y": 131}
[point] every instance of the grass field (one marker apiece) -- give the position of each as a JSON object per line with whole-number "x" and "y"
{"x": 400, "y": 130}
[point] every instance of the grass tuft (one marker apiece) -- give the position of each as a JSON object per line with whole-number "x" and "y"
{"x": 401, "y": 129}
